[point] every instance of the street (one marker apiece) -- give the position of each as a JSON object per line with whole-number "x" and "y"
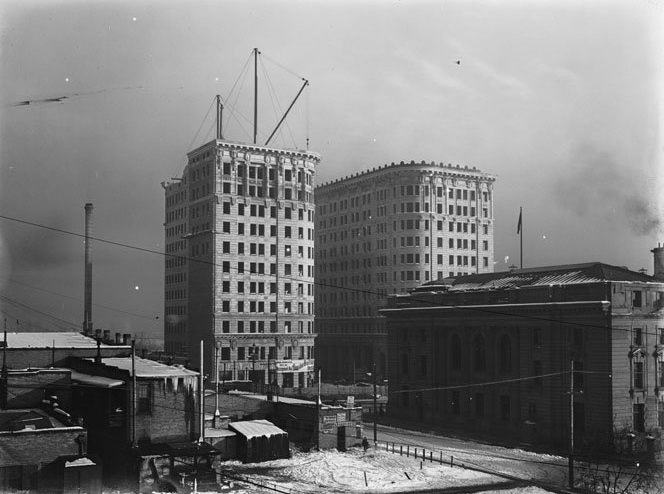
{"x": 547, "y": 470}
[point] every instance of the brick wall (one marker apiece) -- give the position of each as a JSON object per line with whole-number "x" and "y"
{"x": 27, "y": 389}
{"x": 172, "y": 417}
{"x": 36, "y": 451}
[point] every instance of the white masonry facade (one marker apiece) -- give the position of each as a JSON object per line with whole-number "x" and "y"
{"x": 239, "y": 270}
{"x": 386, "y": 231}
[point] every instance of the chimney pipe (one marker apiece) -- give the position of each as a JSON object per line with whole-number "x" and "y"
{"x": 98, "y": 334}
{"x": 98, "y": 357}
{"x": 107, "y": 336}
{"x": 87, "y": 307}
{"x": 126, "y": 339}
{"x": 658, "y": 255}
{"x": 118, "y": 338}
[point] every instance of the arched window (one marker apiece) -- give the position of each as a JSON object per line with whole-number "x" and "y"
{"x": 479, "y": 353}
{"x": 505, "y": 348}
{"x": 455, "y": 351}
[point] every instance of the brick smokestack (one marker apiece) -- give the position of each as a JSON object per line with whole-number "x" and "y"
{"x": 87, "y": 304}
{"x": 658, "y": 254}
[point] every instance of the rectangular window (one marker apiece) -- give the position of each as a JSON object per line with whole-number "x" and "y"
{"x": 537, "y": 337}
{"x": 537, "y": 371}
{"x": 638, "y": 337}
{"x": 479, "y": 404}
{"x": 144, "y": 398}
{"x": 423, "y": 365}
{"x": 638, "y": 375}
{"x": 636, "y": 298}
{"x": 404, "y": 364}
{"x": 639, "y": 417}
{"x": 504, "y": 407}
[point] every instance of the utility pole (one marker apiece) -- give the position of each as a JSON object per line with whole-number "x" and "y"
{"x": 134, "y": 444}
{"x": 216, "y": 385}
{"x": 201, "y": 402}
{"x": 571, "y": 426}
{"x": 255, "y": 93}
{"x": 375, "y": 409}
{"x": 4, "y": 374}
{"x": 253, "y": 367}
{"x": 319, "y": 405}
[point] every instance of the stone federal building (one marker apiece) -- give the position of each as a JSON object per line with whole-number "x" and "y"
{"x": 239, "y": 273}
{"x": 492, "y": 354}
{"x": 387, "y": 231}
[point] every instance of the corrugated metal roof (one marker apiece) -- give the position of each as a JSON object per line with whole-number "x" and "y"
{"x": 147, "y": 368}
{"x": 256, "y": 428}
{"x": 48, "y": 339}
{"x": 595, "y": 272}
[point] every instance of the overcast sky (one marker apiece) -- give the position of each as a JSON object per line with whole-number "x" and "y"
{"x": 561, "y": 100}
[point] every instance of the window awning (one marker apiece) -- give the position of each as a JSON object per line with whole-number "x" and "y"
{"x": 97, "y": 381}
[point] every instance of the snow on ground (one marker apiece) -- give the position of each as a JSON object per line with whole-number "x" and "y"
{"x": 339, "y": 472}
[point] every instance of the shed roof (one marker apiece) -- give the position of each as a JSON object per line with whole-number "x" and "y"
{"x": 96, "y": 381}
{"x": 46, "y": 339}
{"x": 256, "y": 428}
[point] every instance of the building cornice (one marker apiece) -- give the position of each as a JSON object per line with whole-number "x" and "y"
{"x": 431, "y": 169}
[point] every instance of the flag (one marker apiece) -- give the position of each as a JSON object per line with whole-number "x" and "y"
{"x": 518, "y": 226}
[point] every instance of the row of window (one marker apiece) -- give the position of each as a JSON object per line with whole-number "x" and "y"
{"x": 639, "y": 377}
{"x": 404, "y": 190}
{"x": 638, "y": 339}
{"x": 259, "y": 249}
{"x": 259, "y": 306}
{"x": 259, "y": 268}
{"x": 259, "y": 326}
{"x": 259, "y": 287}
{"x": 255, "y": 353}
{"x": 257, "y": 172}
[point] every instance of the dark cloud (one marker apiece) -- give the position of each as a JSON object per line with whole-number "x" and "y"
{"x": 642, "y": 216}
{"x": 32, "y": 247}
{"x": 593, "y": 184}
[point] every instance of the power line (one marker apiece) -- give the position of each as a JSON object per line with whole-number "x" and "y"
{"x": 11, "y": 280}
{"x": 481, "y": 309}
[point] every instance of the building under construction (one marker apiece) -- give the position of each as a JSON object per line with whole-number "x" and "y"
{"x": 239, "y": 267}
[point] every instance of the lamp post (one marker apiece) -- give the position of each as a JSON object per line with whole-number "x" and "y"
{"x": 217, "y": 414}
{"x": 253, "y": 365}
{"x": 375, "y": 409}
{"x": 373, "y": 374}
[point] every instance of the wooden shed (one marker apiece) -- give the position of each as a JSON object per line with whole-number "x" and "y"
{"x": 260, "y": 440}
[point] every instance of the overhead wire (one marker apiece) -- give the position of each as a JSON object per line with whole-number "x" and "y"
{"x": 115, "y": 309}
{"x": 276, "y": 106}
{"x": 431, "y": 304}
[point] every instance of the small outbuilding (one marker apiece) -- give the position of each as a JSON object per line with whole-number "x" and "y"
{"x": 260, "y": 440}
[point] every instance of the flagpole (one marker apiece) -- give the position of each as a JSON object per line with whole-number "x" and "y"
{"x": 521, "y": 235}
